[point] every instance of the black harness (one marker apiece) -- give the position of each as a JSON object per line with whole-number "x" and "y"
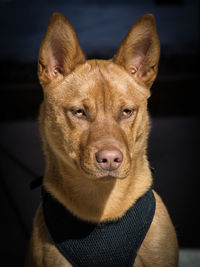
{"x": 108, "y": 244}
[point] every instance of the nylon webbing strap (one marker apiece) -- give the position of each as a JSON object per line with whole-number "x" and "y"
{"x": 109, "y": 244}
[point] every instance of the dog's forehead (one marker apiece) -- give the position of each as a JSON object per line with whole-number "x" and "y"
{"x": 102, "y": 78}
{"x": 117, "y": 78}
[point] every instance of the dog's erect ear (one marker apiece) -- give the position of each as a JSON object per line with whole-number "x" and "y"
{"x": 60, "y": 50}
{"x": 140, "y": 50}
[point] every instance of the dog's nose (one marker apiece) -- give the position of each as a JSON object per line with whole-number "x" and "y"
{"x": 109, "y": 159}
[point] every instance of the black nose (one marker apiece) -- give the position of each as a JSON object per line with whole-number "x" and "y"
{"x": 109, "y": 159}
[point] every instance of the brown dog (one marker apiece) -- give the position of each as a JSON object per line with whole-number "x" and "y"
{"x": 94, "y": 126}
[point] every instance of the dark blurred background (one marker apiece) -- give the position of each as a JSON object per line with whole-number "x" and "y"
{"x": 174, "y": 105}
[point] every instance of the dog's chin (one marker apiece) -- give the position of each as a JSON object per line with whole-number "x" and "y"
{"x": 103, "y": 176}
{"x": 109, "y": 178}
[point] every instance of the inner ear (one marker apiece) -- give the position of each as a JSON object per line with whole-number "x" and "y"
{"x": 140, "y": 50}
{"x": 60, "y": 50}
{"x": 138, "y": 55}
{"x": 56, "y": 55}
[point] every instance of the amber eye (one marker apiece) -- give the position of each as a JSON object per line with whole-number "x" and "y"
{"x": 79, "y": 113}
{"x": 126, "y": 113}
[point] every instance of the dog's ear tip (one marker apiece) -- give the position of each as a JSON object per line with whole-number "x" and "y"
{"x": 56, "y": 17}
{"x": 148, "y": 18}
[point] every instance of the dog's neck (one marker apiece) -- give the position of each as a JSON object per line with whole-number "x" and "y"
{"x": 95, "y": 200}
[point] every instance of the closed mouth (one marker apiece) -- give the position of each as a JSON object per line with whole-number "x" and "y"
{"x": 104, "y": 175}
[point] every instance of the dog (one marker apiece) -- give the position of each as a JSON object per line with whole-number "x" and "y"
{"x": 98, "y": 207}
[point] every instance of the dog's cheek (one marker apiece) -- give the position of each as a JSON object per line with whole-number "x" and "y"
{"x": 85, "y": 153}
{"x": 56, "y": 137}
{"x": 130, "y": 130}
{"x": 142, "y": 132}
{"x": 136, "y": 133}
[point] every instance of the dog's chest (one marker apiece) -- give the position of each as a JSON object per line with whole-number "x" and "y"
{"x": 106, "y": 244}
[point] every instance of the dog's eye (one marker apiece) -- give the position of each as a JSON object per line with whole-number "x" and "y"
{"x": 79, "y": 113}
{"x": 126, "y": 113}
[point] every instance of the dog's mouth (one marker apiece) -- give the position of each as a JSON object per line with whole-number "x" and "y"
{"x": 103, "y": 176}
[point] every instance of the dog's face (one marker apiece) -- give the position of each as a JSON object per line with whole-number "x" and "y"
{"x": 94, "y": 116}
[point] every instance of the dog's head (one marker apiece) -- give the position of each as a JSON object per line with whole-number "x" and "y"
{"x": 94, "y": 115}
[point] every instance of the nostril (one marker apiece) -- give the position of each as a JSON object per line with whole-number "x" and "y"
{"x": 118, "y": 160}
{"x": 101, "y": 160}
{"x": 109, "y": 159}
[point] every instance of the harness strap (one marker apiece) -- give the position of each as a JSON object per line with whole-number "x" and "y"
{"x": 106, "y": 244}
